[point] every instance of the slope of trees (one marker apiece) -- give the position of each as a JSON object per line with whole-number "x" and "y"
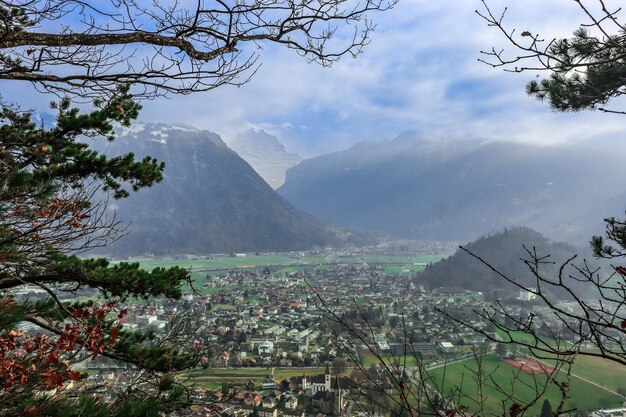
{"x": 504, "y": 249}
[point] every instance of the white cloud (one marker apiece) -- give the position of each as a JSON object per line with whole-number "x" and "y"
{"x": 420, "y": 71}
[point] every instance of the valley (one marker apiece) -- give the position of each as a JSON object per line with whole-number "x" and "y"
{"x": 328, "y": 208}
{"x": 267, "y": 319}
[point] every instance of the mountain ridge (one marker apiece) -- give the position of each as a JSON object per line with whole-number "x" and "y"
{"x": 210, "y": 200}
{"x": 459, "y": 190}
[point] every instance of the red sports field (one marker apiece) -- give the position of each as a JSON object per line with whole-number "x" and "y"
{"x": 530, "y": 366}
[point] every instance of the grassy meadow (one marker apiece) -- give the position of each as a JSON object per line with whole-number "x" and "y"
{"x": 214, "y": 378}
{"x": 285, "y": 264}
{"x": 584, "y": 395}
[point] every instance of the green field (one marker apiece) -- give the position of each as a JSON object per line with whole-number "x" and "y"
{"x": 583, "y": 395}
{"x": 408, "y": 360}
{"x": 517, "y": 336}
{"x": 403, "y": 269}
{"x": 601, "y": 371}
{"x": 289, "y": 270}
{"x": 219, "y": 263}
{"x": 286, "y": 264}
{"x": 402, "y": 259}
{"x": 213, "y": 378}
{"x": 219, "y": 307}
{"x": 374, "y": 259}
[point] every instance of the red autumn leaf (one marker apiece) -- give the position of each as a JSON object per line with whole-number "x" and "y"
{"x": 15, "y": 333}
{"x": 30, "y": 409}
{"x": 30, "y": 51}
{"x": 53, "y": 357}
{"x": 623, "y": 324}
{"x": 7, "y": 303}
{"x": 74, "y": 376}
{"x": 526, "y": 33}
{"x": 114, "y": 333}
{"x": 52, "y": 378}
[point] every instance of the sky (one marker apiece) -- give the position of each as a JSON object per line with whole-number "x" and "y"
{"x": 419, "y": 72}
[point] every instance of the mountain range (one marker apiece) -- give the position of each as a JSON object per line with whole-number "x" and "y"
{"x": 458, "y": 190}
{"x": 210, "y": 200}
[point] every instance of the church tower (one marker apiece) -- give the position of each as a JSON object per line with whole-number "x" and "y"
{"x": 338, "y": 404}
{"x": 327, "y": 377}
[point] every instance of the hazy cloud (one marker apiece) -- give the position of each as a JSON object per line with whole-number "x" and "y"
{"x": 420, "y": 71}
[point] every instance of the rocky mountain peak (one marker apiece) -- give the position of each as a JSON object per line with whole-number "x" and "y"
{"x": 266, "y": 154}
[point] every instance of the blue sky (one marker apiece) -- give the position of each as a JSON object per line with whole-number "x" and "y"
{"x": 419, "y": 72}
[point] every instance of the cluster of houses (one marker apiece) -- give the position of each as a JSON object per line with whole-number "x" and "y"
{"x": 316, "y": 395}
{"x": 259, "y": 318}
{"x": 268, "y": 318}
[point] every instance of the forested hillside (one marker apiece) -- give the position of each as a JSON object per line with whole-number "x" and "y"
{"x": 505, "y": 251}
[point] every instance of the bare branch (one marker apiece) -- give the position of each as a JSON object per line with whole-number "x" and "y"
{"x": 164, "y": 48}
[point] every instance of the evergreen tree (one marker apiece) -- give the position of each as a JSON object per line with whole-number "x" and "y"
{"x": 48, "y": 216}
{"x": 586, "y": 70}
{"x": 546, "y": 409}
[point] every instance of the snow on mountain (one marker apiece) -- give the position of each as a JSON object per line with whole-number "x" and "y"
{"x": 210, "y": 200}
{"x": 265, "y": 154}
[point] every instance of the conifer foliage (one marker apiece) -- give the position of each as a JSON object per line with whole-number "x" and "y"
{"x": 585, "y": 71}
{"x": 48, "y": 215}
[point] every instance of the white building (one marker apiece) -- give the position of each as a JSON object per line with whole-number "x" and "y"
{"x": 615, "y": 412}
{"x": 266, "y": 348}
{"x": 527, "y": 295}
